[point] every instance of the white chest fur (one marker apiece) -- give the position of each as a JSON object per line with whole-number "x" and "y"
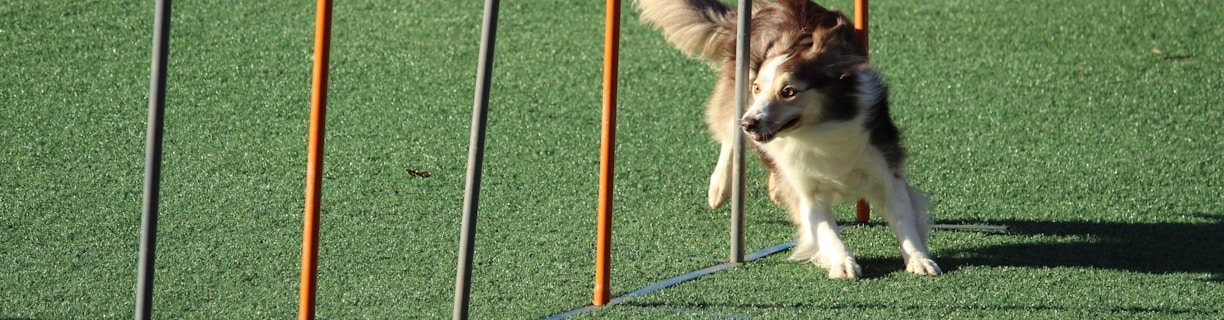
{"x": 832, "y": 160}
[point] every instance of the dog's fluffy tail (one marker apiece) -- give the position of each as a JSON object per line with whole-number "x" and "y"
{"x": 702, "y": 28}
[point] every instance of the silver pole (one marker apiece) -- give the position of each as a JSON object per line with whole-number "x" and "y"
{"x": 742, "y": 54}
{"x": 153, "y": 155}
{"x": 471, "y": 198}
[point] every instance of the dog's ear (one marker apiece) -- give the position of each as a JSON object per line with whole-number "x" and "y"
{"x": 838, "y": 37}
{"x": 806, "y": 13}
{"x": 836, "y": 46}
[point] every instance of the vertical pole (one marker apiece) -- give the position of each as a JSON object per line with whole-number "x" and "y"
{"x": 314, "y": 159}
{"x": 471, "y": 196}
{"x": 742, "y": 55}
{"x": 860, "y": 22}
{"x": 607, "y": 154}
{"x": 862, "y": 212}
{"x": 153, "y": 155}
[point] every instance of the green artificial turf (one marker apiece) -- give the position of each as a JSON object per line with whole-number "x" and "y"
{"x": 1091, "y": 128}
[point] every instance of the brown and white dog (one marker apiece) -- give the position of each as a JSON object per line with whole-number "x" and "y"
{"x": 818, "y": 118}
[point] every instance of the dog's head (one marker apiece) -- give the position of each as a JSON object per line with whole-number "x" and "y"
{"x": 805, "y": 79}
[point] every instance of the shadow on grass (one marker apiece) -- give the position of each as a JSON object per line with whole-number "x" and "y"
{"x": 671, "y": 307}
{"x": 1155, "y": 248}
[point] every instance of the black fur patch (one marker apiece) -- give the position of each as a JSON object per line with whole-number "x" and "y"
{"x": 884, "y": 133}
{"x": 839, "y": 85}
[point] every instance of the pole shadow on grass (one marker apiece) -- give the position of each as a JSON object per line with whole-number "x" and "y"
{"x": 1155, "y": 248}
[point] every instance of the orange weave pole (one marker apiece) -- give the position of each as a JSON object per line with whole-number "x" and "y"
{"x": 862, "y": 212}
{"x": 314, "y": 159}
{"x": 607, "y": 153}
{"x": 860, "y": 22}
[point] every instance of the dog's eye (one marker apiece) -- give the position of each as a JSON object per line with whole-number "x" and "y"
{"x": 756, "y": 88}
{"x": 788, "y": 92}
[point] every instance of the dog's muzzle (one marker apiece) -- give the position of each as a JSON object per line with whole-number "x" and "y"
{"x": 764, "y": 131}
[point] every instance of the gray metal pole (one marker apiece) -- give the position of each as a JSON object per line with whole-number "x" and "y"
{"x": 742, "y": 52}
{"x": 153, "y": 155}
{"x": 471, "y": 198}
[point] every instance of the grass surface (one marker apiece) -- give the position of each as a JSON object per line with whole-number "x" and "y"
{"x": 1056, "y": 118}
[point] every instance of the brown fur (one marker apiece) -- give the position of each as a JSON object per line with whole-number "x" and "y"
{"x": 819, "y": 120}
{"x": 776, "y": 27}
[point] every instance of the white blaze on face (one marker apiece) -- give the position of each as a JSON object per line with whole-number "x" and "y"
{"x": 769, "y": 72}
{"x": 764, "y": 91}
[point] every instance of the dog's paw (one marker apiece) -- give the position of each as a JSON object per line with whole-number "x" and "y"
{"x": 717, "y": 197}
{"x": 720, "y": 191}
{"x": 922, "y": 266}
{"x": 803, "y": 251}
{"x": 845, "y": 269}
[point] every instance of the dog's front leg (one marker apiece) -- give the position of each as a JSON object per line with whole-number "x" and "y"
{"x": 818, "y": 234}
{"x": 906, "y": 214}
{"x": 720, "y": 180}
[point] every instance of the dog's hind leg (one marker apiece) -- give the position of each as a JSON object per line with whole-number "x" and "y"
{"x": 906, "y": 211}
{"x": 820, "y": 241}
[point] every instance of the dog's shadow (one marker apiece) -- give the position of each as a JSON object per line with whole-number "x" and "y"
{"x": 1155, "y": 248}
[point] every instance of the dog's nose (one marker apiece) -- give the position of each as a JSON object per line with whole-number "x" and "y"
{"x": 748, "y": 123}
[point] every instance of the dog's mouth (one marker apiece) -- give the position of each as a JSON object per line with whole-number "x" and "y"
{"x": 763, "y": 135}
